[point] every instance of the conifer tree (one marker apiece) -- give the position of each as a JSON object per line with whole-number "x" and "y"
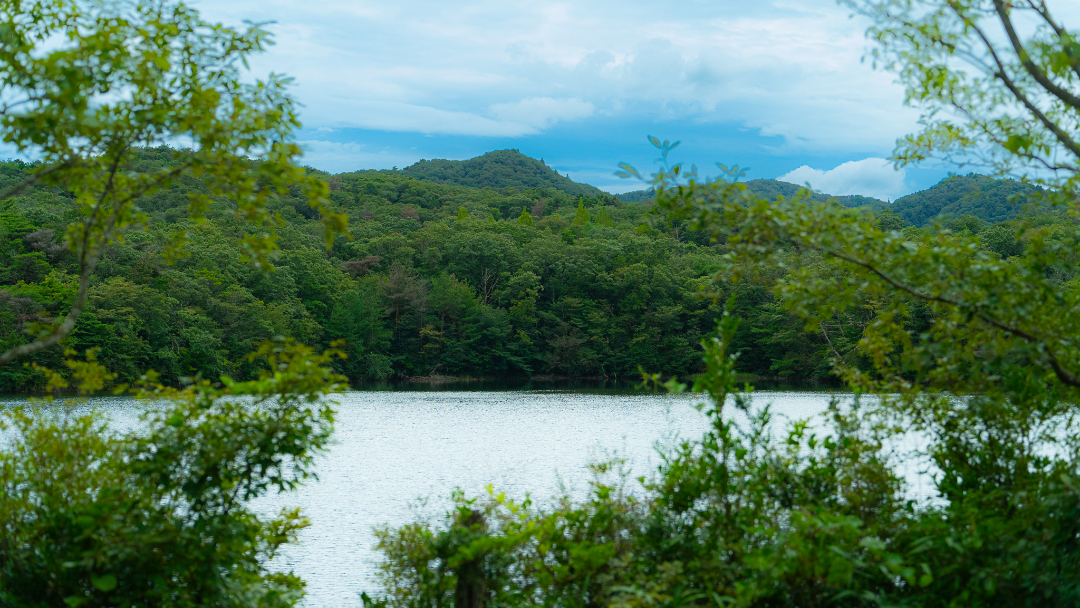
{"x": 582, "y": 216}
{"x": 462, "y": 214}
{"x": 525, "y": 219}
{"x": 603, "y": 218}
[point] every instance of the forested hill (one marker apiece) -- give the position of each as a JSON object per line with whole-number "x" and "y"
{"x": 436, "y": 278}
{"x": 499, "y": 169}
{"x": 991, "y": 200}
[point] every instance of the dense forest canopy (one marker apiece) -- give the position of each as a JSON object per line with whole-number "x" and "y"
{"x": 438, "y": 278}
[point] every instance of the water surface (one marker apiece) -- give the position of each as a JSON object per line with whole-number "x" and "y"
{"x": 398, "y": 455}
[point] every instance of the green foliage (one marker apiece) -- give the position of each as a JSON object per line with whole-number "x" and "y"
{"x": 993, "y": 90}
{"x": 538, "y": 304}
{"x": 97, "y": 517}
{"x": 992, "y": 200}
{"x": 771, "y": 188}
{"x": 637, "y": 196}
{"x": 91, "y": 516}
{"x": 740, "y": 518}
{"x": 603, "y": 297}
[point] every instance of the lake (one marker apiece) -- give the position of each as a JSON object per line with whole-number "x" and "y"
{"x": 398, "y": 455}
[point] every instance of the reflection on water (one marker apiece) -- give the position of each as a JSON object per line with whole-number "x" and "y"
{"x": 609, "y": 386}
{"x": 394, "y": 447}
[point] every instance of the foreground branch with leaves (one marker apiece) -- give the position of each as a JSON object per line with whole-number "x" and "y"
{"x": 85, "y": 85}
{"x": 92, "y": 516}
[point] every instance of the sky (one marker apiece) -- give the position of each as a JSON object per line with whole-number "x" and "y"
{"x": 780, "y": 87}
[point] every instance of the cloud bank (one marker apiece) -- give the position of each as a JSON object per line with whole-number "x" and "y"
{"x": 542, "y": 112}
{"x": 490, "y": 68}
{"x": 874, "y": 177}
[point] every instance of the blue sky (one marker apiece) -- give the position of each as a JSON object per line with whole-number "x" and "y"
{"x": 780, "y": 87}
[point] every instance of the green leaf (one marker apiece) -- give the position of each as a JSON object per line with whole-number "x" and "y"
{"x": 1016, "y": 143}
{"x": 104, "y": 583}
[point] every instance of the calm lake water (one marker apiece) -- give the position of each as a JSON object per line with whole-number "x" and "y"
{"x": 398, "y": 455}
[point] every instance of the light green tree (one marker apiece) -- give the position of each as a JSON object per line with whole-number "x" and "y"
{"x": 462, "y": 214}
{"x": 603, "y": 218}
{"x": 525, "y": 219}
{"x": 997, "y": 84}
{"x": 994, "y": 381}
{"x": 582, "y": 216}
{"x": 84, "y": 85}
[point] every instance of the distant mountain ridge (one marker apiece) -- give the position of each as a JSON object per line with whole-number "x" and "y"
{"x": 992, "y": 200}
{"x": 499, "y": 169}
{"x": 989, "y": 199}
{"x": 771, "y": 188}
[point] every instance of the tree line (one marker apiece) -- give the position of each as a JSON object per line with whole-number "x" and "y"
{"x": 435, "y": 279}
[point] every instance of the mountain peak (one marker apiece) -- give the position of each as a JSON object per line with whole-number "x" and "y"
{"x": 499, "y": 169}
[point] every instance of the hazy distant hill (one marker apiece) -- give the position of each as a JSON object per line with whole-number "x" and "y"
{"x": 771, "y": 188}
{"x": 993, "y": 200}
{"x": 637, "y": 196}
{"x": 499, "y": 169}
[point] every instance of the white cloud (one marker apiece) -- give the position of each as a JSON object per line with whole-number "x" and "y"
{"x": 542, "y": 112}
{"x": 874, "y": 177}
